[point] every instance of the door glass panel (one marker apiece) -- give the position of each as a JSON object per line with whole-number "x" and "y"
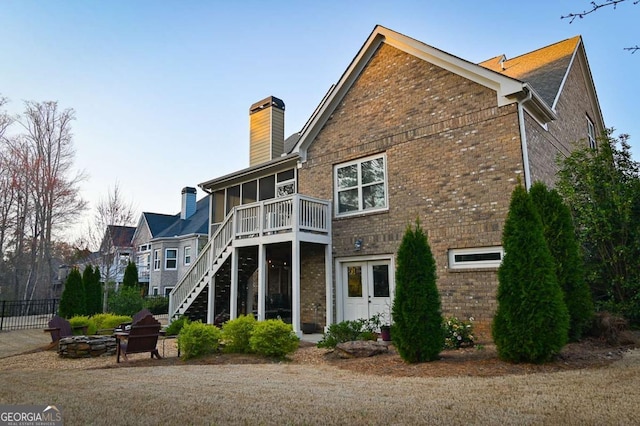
{"x": 380, "y": 280}
{"x": 355, "y": 281}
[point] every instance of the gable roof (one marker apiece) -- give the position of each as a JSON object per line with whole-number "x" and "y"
{"x": 120, "y": 235}
{"x": 545, "y": 68}
{"x": 508, "y": 89}
{"x": 198, "y": 223}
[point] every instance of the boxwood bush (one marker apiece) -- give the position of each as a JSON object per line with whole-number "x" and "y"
{"x": 273, "y": 338}
{"x": 237, "y": 332}
{"x": 198, "y": 339}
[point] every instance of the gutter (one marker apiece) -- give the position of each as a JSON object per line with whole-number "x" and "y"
{"x": 523, "y": 136}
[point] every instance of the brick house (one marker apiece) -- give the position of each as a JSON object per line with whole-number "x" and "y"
{"x": 310, "y": 230}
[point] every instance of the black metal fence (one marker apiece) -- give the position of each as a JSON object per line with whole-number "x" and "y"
{"x": 23, "y": 314}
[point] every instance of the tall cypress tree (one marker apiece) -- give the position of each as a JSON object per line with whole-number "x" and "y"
{"x": 531, "y": 322}
{"x": 130, "y": 278}
{"x": 97, "y": 279}
{"x": 72, "y": 301}
{"x": 565, "y": 250}
{"x": 92, "y": 291}
{"x": 417, "y": 329}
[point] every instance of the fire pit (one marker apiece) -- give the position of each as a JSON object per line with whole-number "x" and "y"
{"x": 86, "y": 346}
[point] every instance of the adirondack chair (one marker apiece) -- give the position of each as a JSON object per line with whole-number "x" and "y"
{"x": 59, "y": 328}
{"x": 140, "y": 338}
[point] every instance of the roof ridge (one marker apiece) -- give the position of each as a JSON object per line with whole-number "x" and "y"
{"x": 538, "y": 49}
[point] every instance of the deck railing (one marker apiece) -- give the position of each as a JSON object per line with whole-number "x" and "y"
{"x": 286, "y": 214}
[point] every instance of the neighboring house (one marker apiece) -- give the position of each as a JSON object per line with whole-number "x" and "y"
{"x": 115, "y": 253}
{"x": 167, "y": 245}
{"x": 310, "y": 230}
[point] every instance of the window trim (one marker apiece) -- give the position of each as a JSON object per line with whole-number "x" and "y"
{"x": 184, "y": 259}
{"x": 167, "y": 259}
{"x": 453, "y": 264}
{"x": 591, "y": 134}
{"x": 157, "y": 260}
{"x": 360, "y": 210}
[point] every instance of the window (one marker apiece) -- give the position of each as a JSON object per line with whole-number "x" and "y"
{"x": 591, "y": 134}
{"x": 171, "y": 259}
{"x": 187, "y": 255}
{"x": 286, "y": 183}
{"x": 154, "y": 291}
{"x": 167, "y": 290}
{"x": 480, "y": 257}
{"x": 156, "y": 260}
{"x": 361, "y": 186}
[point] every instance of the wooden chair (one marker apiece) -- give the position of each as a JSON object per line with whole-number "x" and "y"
{"x": 59, "y": 328}
{"x": 142, "y": 337}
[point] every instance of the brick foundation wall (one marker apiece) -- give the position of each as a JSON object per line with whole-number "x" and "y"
{"x": 312, "y": 284}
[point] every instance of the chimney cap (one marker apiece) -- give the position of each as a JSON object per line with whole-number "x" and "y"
{"x": 188, "y": 190}
{"x": 265, "y": 103}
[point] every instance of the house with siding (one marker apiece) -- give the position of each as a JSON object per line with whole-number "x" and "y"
{"x": 166, "y": 245}
{"x": 310, "y": 230}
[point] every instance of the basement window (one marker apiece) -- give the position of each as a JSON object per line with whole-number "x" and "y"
{"x": 479, "y": 257}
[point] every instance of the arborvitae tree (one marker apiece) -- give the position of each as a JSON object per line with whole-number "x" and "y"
{"x": 93, "y": 291}
{"x": 531, "y": 322}
{"x": 97, "y": 277}
{"x": 130, "y": 278}
{"x": 565, "y": 250}
{"x": 417, "y": 329}
{"x": 72, "y": 301}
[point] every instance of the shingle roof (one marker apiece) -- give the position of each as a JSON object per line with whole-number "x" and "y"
{"x": 121, "y": 235}
{"x": 165, "y": 226}
{"x": 544, "y": 68}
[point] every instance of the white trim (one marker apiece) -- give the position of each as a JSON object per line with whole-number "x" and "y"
{"x": 157, "y": 260}
{"x": 166, "y": 258}
{"x": 184, "y": 257}
{"x": 453, "y": 264}
{"x": 340, "y": 284}
{"x": 361, "y": 210}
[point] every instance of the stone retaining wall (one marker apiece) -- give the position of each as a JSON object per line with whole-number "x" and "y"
{"x": 86, "y": 346}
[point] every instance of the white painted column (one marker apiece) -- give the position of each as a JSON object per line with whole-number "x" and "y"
{"x": 262, "y": 280}
{"x": 328, "y": 273}
{"x": 233, "y": 305}
{"x": 295, "y": 290}
{"x": 211, "y": 299}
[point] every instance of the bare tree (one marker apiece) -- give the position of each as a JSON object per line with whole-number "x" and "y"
{"x": 39, "y": 193}
{"x": 111, "y": 213}
{"x": 595, "y": 6}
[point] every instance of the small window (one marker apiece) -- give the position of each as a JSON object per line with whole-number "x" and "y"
{"x": 170, "y": 259}
{"x": 167, "y": 290}
{"x": 187, "y": 255}
{"x": 155, "y": 291}
{"x": 361, "y": 185}
{"x": 481, "y": 257}
{"x": 591, "y": 134}
{"x": 156, "y": 260}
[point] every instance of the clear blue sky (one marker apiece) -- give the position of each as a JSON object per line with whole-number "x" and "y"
{"x": 162, "y": 89}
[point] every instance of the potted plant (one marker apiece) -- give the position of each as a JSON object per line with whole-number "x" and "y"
{"x": 385, "y": 332}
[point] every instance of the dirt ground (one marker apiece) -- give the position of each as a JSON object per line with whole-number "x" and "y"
{"x": 478, "y": 361}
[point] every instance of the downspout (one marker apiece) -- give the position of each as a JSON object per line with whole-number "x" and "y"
{"x": 523, "y": 138}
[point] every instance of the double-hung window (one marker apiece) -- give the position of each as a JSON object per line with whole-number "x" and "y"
{"x": 187, "y": 255}
{"x": 591, "y": 134}
{"x": 171, "y": 259}
{"x": 156, "y": 260}
{"x": 361, "y": 185}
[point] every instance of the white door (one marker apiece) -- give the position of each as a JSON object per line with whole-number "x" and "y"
{"x": 366, "y": 289}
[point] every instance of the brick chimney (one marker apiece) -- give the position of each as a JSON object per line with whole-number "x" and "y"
{"x": 266, "y": 124}
{"x": 188, "y": 202}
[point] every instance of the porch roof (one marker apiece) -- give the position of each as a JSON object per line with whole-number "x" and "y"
{"x": 259, "y": 170}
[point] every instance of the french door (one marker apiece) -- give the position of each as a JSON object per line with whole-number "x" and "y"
{"x": 367, "y": 289}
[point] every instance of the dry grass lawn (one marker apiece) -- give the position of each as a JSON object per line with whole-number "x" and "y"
{"x": 312, "y": 390}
